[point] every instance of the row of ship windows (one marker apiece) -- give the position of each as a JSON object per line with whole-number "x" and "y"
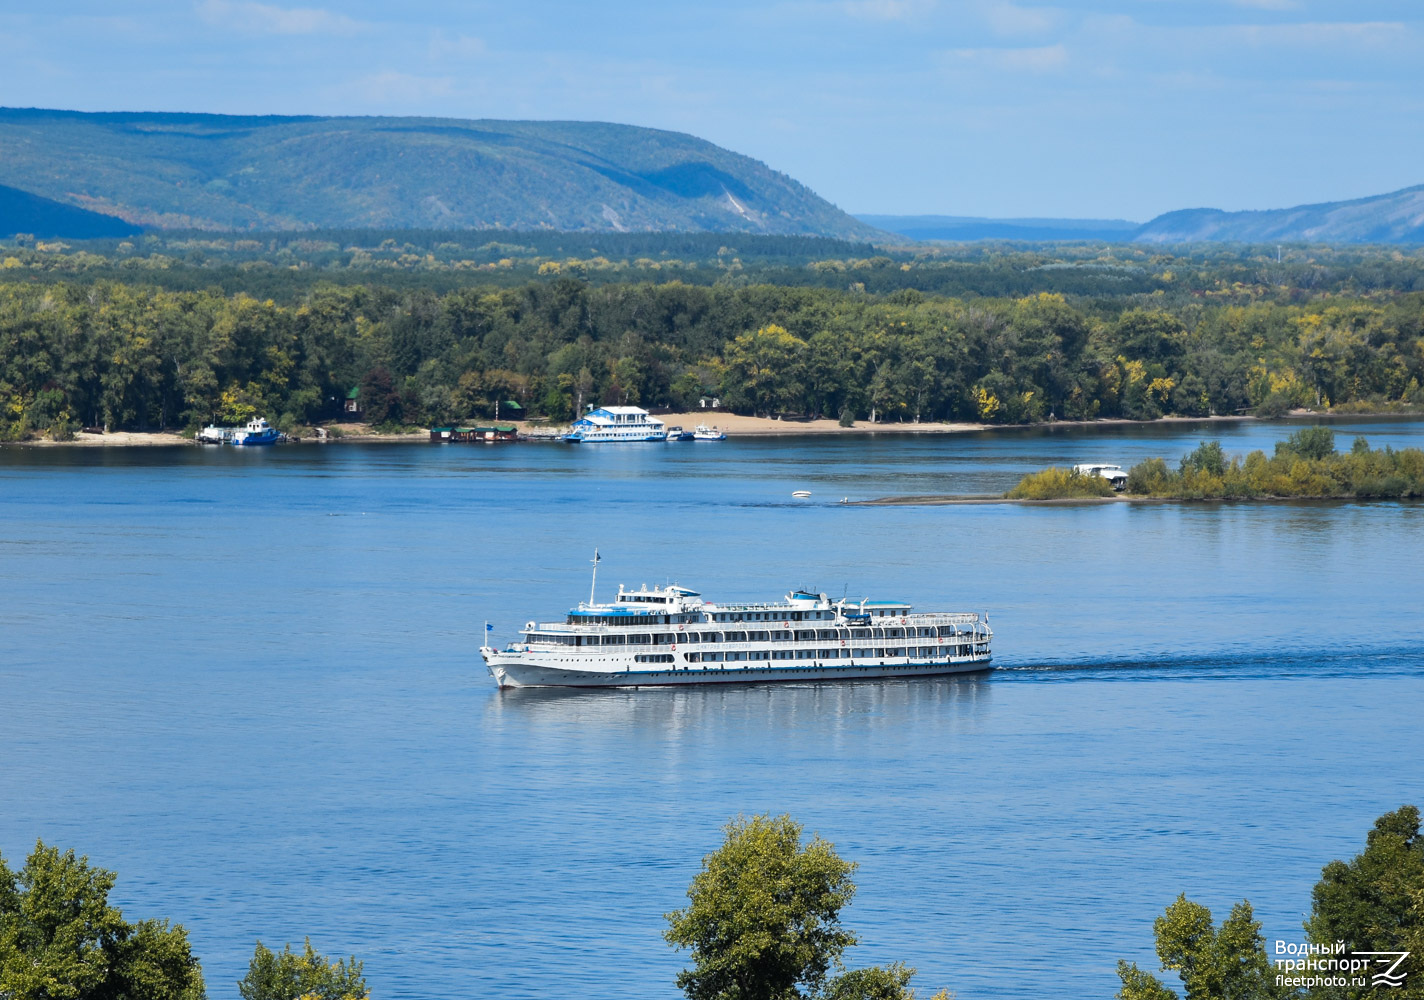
{"x": 688, "y": 618}
{"x": 803, "y": 616}
{"x": 804, "y": 635}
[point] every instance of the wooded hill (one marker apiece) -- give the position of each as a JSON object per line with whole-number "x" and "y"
{"x": 141, "y": 339}
{"x": 228, "y": 172}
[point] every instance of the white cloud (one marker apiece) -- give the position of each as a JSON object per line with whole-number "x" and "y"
{"x": 1035, "y": 59}
{"x": 1012, "y": 20}
{"x": 391, "y": 87}
{"x": 886, "y": 10}
{"x": 445, "y": 46}
{"x": 1330, "y": 34}
{"x": 1267, "y": 4}
{"x": 268, "y": 19}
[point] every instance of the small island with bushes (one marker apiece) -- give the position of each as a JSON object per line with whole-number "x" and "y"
{"x": 1304, "y": 466}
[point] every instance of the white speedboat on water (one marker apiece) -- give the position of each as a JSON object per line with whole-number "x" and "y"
{"x": 670, "y": 635}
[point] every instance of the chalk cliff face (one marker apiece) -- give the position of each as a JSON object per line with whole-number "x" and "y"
{"x": 233, "y": 172}
{"x": 1388, "y": 218}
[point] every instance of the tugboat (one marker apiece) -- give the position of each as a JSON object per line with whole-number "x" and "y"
{"x": 257, "y": 431}
{"x": 670, "y": 635}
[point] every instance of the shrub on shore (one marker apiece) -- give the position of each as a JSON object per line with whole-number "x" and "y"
{"x": 1305, "y": 465}
{"x": 1059, "y": 484}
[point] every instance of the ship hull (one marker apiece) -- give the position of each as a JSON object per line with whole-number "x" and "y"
{"x": 510, "y": 672}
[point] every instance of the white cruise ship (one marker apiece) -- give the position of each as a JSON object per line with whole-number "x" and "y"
{"x": 670, "y": 635}
{"x": 617, "y": 423}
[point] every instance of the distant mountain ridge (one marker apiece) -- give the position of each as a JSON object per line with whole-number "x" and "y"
{"x": 1397, "y": 217}
{"x": 229, "y": 172}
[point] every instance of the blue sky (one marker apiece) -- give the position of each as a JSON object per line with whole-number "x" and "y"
{"x": 1114, "y": 109}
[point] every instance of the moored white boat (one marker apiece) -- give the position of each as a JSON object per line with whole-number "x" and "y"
{"x": 1112, "y": 473}
{"x": 705, "y": 433}
{"x": 670, "y": 635}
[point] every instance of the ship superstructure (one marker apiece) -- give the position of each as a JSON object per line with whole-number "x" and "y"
{"x": 671, "y": 635}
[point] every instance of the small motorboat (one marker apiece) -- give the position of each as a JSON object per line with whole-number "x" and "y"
{"x": 802, "y": 494}
{"x": 678, "y": 434}
{"x": 705, "y": 433}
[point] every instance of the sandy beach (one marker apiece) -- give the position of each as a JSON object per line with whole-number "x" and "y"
{"x": 733, "y": 424}
{"x": 114, "y": 439}
{"x": 736, "y": 424}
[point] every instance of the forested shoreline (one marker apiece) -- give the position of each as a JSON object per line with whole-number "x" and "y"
{"x": 134, "y": 340}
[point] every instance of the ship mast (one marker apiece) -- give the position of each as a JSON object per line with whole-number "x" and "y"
{"x": 594, "y": 584}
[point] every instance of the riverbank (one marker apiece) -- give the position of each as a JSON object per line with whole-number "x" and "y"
{"x": 733, "y": 424}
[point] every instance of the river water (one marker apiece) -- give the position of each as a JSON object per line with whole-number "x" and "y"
{"x": 247, "y": 682}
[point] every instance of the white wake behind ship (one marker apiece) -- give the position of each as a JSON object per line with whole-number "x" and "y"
{"x": 670, "y": 635}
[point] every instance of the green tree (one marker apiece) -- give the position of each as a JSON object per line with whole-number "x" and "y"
{"x": 763, "y": 919}
{"x": 1375, "y": 902}
{"x": 1310, "y": 442}
{"x": 287, "y": 975}
{"x": 1229, "y": 963}
{"x": 1206, "y": 457}
{"x": 766, "y": 369}
{"x": 60, "y": 939}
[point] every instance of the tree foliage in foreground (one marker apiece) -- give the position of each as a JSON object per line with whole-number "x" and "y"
{"x": 60, "y": 939}
{"x": 288, "y": 975}
{"x": 763, "y": 921}
{"x": 1225, "y": 963}
{"x": 1375, "y": 902}
{"x": 1372, "y": 903}
{"x": 763, "y": 915}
